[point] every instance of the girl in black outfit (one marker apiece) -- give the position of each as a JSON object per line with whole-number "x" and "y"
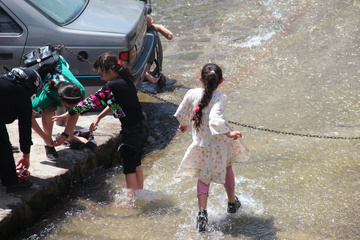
{"x": 119, "y": 96}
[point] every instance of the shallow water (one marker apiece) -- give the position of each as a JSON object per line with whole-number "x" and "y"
{"x": 289, "y": 66}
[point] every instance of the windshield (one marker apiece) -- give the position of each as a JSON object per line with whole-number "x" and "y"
{"x": 60, "y": 11}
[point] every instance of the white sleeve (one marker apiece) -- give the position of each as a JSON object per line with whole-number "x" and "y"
{"x": 217, "y": 120}
{"x": 183, "y": 112}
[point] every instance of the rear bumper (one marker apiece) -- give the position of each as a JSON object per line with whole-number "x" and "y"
{"x": 92, "y": 82}
{"x": 139, "y": 66}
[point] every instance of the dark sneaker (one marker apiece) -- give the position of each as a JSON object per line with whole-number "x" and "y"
{"x": 15, "y": 149}
{"x": 51, "y": 153}
{"x": 20, "y": 185}
{"x": 202, "y": 220}
{"x": 233, "y": 207}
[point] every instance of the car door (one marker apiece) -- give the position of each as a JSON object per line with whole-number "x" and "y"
{"x": 13, "y": 34}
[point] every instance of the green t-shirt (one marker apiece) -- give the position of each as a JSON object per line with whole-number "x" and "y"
{"x": 42, "y": 100}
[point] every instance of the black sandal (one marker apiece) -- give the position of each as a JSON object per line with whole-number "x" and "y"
{"x": 202, "y": 220}
{"x": 233, "y": 207}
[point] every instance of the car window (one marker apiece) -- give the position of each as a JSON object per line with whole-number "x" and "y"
{"x": 8, "y": 25}
{"x": 60, "y": 11}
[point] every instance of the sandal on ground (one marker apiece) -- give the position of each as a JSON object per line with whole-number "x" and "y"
{"x": 22, "y": 173}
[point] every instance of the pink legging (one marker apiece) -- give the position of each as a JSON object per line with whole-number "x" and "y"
{"x": 203, "y": 188}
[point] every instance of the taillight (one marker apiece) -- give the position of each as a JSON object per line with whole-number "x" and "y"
{"x": 128, "y": 56}
{"x": 124, "y": 56}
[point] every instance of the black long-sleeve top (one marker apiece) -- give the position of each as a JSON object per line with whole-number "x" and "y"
{"x": 15, "y": 104}
{"x": 121, "y": 96}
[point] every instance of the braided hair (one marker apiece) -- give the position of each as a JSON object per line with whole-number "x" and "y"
{"x": 108, "y": 61}
{"x": 211, "y": 76}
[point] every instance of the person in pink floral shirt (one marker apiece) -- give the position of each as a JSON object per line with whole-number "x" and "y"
{"x": 215, "y": 146}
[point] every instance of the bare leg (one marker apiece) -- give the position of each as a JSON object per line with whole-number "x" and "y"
{"x": 230, "y": 191}
{"x": 47, "y": 122}
{"x": 148, "y": 76}
{"x": 202, "y": 201}
{"x": 135, "y": 180}
{"x": 203, "y": 192}
{"x": 131, "y": 181}
{"x": 230, "y": 184}
{"x": 140, "y": 177}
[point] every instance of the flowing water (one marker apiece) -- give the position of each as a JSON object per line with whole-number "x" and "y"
{"x": 289, "y": 65}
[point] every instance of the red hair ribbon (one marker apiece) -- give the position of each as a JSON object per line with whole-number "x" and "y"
{"x": 119, "y": 62}
{"x": 196, "y": 109}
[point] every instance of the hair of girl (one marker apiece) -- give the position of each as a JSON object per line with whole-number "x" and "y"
{"x": 109, "y": 61}
{"x": 211, "y": 74}
{"x": 69, "y": 92}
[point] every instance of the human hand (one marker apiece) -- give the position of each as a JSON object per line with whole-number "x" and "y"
{"x": 169, "y": 35}
{"x": 59, "y": 140}
{"x": 149, "y": 20}
{"x": 24, "y": 161}
{"x": 94, "y": 124}
{"x": 183, "y": 128}
{"x": 48, "y": 141}
{"x": 234, "y": 134}
{"x": 60, "y": 117}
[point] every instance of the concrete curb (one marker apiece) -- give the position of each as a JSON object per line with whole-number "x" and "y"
{"x": 53, "y": 179}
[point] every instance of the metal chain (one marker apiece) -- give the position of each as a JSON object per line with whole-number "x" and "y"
{"x": 59, "y": 47}
{"x": 261, "y": 128}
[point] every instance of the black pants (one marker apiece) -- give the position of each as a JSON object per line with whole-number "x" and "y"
{"x": 8, "y": 173}
{"x": 134, "y": 139}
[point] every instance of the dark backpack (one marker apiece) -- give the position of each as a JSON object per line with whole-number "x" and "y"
{"x": 43, "y": 59}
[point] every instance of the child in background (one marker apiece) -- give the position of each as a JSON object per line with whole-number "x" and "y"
{"x": 215, "y": 146}
{"x": 151, "y": 26}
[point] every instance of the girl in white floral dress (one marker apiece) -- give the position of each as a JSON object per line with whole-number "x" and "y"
{"x": 215, "y": 145}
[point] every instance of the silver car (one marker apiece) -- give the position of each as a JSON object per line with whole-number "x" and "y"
{"x": 86, "y": 29}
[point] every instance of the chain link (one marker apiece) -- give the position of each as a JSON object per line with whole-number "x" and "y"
{"x": 261, "y": 128}
{"x": 81, "y": 58}
{"x": 59, "y": 47}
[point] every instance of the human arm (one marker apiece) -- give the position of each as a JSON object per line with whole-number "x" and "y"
{"x": 102, "y": 98}
{"x": 217, "y": 121}
{"x": 182, "y": 114}
{"x": 233, "y": 134}
{"x": 69, "y": 128}
{"x": 183, "y": 128}
{"x": 24, "y": 126}
{"x": 164, "y": 31}
{"x": 24, "y": 161}
{"x": 105, "y": 112}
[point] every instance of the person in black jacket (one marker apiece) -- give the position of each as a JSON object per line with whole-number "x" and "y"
{"x": 16, "y": 88}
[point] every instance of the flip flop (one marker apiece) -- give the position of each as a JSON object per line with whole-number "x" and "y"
{"x": 22, "y": 173}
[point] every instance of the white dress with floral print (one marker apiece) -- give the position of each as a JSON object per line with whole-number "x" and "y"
{"x": 210, "y": 152}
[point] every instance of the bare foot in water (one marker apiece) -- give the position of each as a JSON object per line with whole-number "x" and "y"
{"x": 150, "y": 78}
